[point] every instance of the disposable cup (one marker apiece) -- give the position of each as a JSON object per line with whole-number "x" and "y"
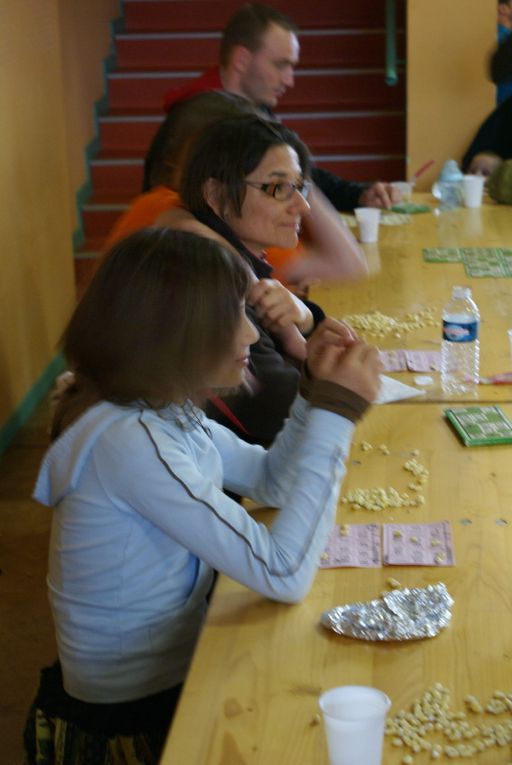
{"x": 354, "y": 717}
{"x": 404, "y": 188}
{"x": 509, "y": 333}
{"x": 473, "y": 187}
{"x": 368, "y": 219}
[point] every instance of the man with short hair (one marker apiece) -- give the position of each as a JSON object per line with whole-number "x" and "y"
{"x": 258, "y": 55}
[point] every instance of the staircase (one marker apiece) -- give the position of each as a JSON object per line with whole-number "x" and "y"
{"x": 353, "y": 123}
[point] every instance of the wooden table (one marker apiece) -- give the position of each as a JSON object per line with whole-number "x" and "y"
{"x": 251, "y": 696}
{"x": 252, "y": 692}
{"x": 402, "y": 282}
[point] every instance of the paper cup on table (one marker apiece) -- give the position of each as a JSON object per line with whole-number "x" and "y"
{"x": 473, "y": 187}
{"x": 354, "y": 717}
{"x": 368, "y": 219}
{"x": 404, "y": 188}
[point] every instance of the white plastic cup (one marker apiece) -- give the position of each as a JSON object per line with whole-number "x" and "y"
{"x": 354, "y": 718}
{"x": 368, "y": 219}
{"x": 404, "y": 188}
{"x": 473, "y": 187}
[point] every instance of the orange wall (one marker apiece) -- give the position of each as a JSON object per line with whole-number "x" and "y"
{"x": 36, "y": 275}
{"x": 448, "y": 94}
{"x": 43, "y": 130}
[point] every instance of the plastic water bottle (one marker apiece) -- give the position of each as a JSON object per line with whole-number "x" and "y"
{"x": 460, "y": 350}
{"x": 450, "y": 185}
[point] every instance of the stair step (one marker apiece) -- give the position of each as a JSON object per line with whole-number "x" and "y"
{"x": 327, "y": 89}
{"x": 365, "y": 168}
{"x": 204, "y": 15}
{"x": 90, "y": 249}
{"x": 323, "y": 132}
{"x": 326, "y": 47}
{"x": 375, "y": 133}
{"x": 127, "y": 134}
{"x": 99, "y": 219}
{"x": 114, "y": 176}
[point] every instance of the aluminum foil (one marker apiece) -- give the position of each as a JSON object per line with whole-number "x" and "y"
{"x": 407, "y": 614}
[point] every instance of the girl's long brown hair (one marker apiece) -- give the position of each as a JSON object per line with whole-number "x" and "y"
{"x": 158, "y": 317}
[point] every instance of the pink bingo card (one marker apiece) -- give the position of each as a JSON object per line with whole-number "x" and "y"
{"x": 418, "y": 544}
{"x": 353, "y": 546}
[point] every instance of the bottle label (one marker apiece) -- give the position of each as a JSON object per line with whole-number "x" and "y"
{"x": 456, "y": 332}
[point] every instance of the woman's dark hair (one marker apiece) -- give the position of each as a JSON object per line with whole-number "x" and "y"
{"x": 185, "y": 121}
{"x": 158, "y": 317}
{"x": 228, "y": 152}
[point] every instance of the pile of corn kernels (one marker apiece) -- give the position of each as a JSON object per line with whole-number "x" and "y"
{"x": 382, "y": 498}
{"x": 380, "y": 325}
{"x": 459, "y": 734}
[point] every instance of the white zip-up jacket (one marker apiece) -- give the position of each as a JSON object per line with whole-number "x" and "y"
{"x": 140, "y": 521}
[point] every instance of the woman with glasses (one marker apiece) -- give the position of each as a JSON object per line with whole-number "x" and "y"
{"x": 248, "y": 180}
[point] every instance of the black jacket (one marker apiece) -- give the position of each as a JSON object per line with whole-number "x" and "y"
{"x": 258, "y": 416}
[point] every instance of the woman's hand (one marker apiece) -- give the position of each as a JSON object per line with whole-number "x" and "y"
{"x": 292, "y": 343}
{"x": 278, "y": 308}
{"x": 379, "y": 194}
{"x": 336, "y": 355}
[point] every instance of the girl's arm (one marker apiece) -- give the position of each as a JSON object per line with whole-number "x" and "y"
{"x": 304, "y": 469}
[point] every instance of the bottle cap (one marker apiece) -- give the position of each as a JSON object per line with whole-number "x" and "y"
{"x": 461, "y": 293}
{"x": 450, "y": 172}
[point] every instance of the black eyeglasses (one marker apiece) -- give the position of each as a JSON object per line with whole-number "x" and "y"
{"x": 282, "y": 190}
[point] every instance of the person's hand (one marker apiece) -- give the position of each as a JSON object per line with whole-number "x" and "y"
{"x": 292, "y": 343}
{"x": 278, "y": 308}
{"x": 335, "y": 355}
{"x": 382, "y": 195}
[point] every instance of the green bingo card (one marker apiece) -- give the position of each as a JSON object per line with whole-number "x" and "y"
{"x": 486, "y": 261}
{"x": 480, "y": 425}
{"x": 442, "y": 255}
{"x": 479, "y": 262}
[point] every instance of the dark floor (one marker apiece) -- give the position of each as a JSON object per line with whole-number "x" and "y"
{"x": 26, "y": 632}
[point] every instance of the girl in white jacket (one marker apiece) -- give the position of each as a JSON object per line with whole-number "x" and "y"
{"x": 135, "y": 477}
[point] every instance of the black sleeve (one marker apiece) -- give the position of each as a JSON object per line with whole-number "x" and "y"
{"x": 260, "y": 414}
{"x": 343, "y": 195}
{"x": 318, "y": 314}
{"x": 494, "y": 135}
{"x": 501, "y": 62}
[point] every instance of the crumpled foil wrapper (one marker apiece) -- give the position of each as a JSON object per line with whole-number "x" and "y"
{"x": 407, "y": 614}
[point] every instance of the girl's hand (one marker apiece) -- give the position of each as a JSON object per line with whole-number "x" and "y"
{"x": 278, "y": 308}
{"x": 335, "y": 355}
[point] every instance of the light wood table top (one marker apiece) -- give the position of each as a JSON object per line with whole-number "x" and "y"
{"x": 252, "y": 692}
{"x": 406, "y": 284}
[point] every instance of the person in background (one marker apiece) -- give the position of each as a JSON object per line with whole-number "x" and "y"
{"x": 493, "y": 141}
{"x": 501, "y": 60}
{"x": 258, "y": 55}
{"x": 248, "y": 181}
{"x": 135, "y": 477}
